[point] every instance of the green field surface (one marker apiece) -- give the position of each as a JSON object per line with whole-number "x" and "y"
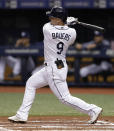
{"x": 49, "y": 105}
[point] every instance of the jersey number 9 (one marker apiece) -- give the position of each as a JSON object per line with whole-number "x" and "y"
{"x": 60, "y": 47}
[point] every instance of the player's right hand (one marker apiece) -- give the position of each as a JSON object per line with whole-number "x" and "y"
{"x": 71, "y": 20}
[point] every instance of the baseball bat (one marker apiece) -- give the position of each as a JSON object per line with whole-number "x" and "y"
{"x": 90, "y": 26}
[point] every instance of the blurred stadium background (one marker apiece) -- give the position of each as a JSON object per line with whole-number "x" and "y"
{"x": 28, "y": 16}
{"x": 21, "y": 54}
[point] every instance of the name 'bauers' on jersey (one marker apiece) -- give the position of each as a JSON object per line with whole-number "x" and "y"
{"x": 57, "y": 39}
{"x": 61, "y": 36}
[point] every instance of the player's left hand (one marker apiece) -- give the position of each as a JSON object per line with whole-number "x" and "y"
{"x": 71, "y": 20}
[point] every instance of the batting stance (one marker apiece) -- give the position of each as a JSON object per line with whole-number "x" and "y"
{"x": 57, "y": 38}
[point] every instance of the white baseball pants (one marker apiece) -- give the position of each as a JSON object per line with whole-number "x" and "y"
{"x": 56, "y": 79}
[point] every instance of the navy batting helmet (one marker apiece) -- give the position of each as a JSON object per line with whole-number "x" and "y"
{"x": 58, "y": 12}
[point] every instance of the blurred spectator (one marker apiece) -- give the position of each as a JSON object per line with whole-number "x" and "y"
{"x": 27, "y": 62}
{"x": 98, "y": 43}
{"x": 24, "y": 40}
{"x": 19, "y": 65}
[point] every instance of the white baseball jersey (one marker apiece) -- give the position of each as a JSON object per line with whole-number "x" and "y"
{"x": 57, "y": 39}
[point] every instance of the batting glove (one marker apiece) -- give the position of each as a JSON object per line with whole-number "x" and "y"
{"x": 71, "y": 20}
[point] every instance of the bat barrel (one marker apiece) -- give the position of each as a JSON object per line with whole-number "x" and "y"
{"x": 90, "y": 26}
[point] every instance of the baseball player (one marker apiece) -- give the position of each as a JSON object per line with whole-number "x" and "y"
{"x": 98, "y": 43}
{"x": 57, "y": 38}
{"x": 14, "y": 62}
{"x": 27, "y": 62}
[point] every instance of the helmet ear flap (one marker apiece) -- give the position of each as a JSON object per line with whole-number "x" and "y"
{"x": 65, "y": 17}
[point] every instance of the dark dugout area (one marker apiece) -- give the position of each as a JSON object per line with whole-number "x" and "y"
{"x": 12, "y": 22}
